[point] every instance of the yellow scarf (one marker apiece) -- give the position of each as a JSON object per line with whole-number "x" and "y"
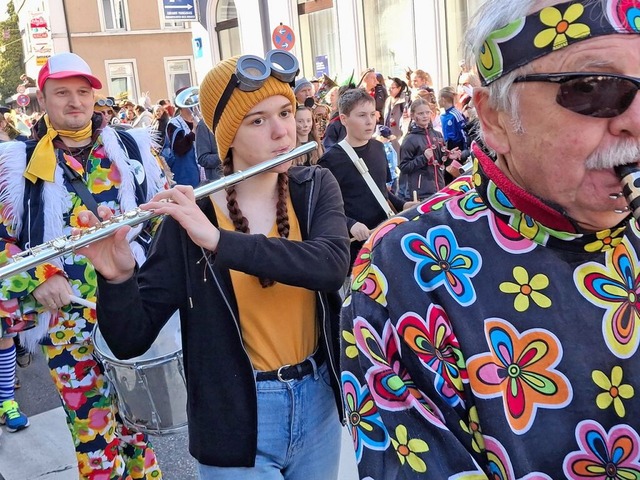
{"x": 43, "y": 160}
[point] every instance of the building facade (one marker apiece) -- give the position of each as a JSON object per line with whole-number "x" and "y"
{"x": 127, "y": 43}
{"x": 344, "y": 36}
{"x": 134, "y": 51}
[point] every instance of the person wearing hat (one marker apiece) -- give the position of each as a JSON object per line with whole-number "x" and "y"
{"x": 493, "y": 331}
{"x": 75, "y": 163}
{"x": 303, "y": 90}
{"x": 179, "y": 149}
{"x": 104, "y": 106}
{"x": 8, "y": 129}
{"x": 254, "y": 270}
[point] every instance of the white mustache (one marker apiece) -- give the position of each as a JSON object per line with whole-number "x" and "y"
{"x": 624, "y": 152}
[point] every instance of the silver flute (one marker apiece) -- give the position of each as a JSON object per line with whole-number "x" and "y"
{"x": 44, "y": 252}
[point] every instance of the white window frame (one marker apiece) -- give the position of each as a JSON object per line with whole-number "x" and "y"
{"x": 136, "y": 77}
{"x": 103, "y": 25}
{"x": 167, "y": 74}
{"x": 176, "y": 25}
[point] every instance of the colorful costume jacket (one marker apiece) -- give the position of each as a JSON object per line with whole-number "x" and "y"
{"x": 31, "y": 214}
{"x": 120, "y": 173}
{"x": 484, "y": 337}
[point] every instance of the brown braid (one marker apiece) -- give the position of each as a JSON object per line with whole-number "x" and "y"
{"x": 240, "y": 222}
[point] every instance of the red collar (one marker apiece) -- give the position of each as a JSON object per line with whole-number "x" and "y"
{"x": 523, "y": 200}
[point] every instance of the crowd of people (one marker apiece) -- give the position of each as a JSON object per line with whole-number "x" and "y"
{"x": 452, "y": 273}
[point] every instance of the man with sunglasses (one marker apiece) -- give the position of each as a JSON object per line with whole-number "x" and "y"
{"x": 494, "y": 330}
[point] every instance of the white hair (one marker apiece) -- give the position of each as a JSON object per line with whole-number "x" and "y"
{"x": 491, "y": 16}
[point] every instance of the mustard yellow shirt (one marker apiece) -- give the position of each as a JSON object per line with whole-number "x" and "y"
{"x": 278, "y": 323}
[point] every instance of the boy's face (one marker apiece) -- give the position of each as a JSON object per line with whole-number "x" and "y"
{"x": 361, "y": 121}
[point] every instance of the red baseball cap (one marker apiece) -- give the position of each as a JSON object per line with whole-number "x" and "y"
{"x": 65, "y": 65}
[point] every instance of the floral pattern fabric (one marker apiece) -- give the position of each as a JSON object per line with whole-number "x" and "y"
{"x": 479, "y": 342}
{"x": 105, "y": 449}
{"x": 553, "y": 28}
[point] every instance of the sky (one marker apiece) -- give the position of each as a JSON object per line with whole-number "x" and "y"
{"x": 3, "y": 9}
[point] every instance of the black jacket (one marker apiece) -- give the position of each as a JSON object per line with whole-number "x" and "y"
{"x": 417, "y": 173}
{"x": 360, "y": 205}
{"x": 334, "y": 132}
{"x": 207, "y": 152}
{"x": 222, "y": 404}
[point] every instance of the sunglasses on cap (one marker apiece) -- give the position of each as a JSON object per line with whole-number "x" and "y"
{"x": 599, "y": 95}
{"x": 251, "y": 73}
{"x": 104, "y": 102}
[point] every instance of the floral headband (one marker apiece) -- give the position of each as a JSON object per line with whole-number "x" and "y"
{"x": 551, "y": 29}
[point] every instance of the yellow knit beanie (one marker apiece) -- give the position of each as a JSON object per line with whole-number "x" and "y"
{"x": 239, "y": 103}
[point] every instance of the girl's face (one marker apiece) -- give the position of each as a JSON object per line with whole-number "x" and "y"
{"x": 394, "y": 89}
{"x": 304, "y": 122}
{"x": 422, "y": 116}
{"x": 268, "y": 130}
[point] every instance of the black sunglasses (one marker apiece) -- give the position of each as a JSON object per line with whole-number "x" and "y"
{"x": 600, "y": 95}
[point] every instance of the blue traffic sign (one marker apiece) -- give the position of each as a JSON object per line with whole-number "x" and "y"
{"x": 180, "y": 10}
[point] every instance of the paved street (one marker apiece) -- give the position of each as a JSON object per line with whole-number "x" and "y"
{"x": 44, "y": 450}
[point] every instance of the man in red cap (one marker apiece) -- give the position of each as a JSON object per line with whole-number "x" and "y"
{"x": 74, "y": 164}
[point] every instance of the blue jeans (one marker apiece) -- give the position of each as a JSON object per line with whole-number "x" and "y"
{"x": 299, "y": 433}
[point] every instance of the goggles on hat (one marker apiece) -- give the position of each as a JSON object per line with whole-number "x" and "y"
{"x": 599, "y": 95}
{"x": 251, "y": 73}
{"x": 104, "y": 102}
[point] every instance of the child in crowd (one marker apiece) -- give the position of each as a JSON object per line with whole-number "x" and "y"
{"x": 306, "y": 132}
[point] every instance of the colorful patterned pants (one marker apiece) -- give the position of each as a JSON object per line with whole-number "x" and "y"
{"x": 105, "y": 448}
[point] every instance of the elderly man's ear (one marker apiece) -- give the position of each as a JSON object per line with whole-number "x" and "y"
{"x": 495, "y": 124}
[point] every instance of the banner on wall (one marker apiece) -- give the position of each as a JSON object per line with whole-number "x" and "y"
{"x": 322, "y": 66}
{"x": 40, "y": 38}
{"x": 39, "y": 29}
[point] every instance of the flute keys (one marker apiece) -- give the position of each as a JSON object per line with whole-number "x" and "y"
{"x": 58, "y": 243}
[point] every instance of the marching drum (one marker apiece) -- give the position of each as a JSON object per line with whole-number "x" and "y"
{"x": 151, "y": 388}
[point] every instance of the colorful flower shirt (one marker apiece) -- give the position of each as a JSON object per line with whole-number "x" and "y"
{"x": 103, "y": 178}
{"x": 478, "y": 342}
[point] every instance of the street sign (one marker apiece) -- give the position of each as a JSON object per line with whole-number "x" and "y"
{"x": 41, "y": 60}
{"x": 23, "y": 100}
{"x": 21, "y": 88}
{"x": 179, "y": 10}
{"x": 283, "y": 37}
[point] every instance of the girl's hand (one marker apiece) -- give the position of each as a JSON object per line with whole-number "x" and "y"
{"x": 454, "y": 154}
{"x": 111, "y": 256}
{"x": 428, "y": 153}
{"x": 180, "y": 203}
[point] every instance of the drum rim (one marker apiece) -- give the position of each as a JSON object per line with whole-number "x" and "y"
{"x": 133, "y": 362}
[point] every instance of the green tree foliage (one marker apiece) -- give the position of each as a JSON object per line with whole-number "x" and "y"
{"x": 11, "y": 53}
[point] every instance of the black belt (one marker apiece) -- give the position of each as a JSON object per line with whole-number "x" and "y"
{"x": 287, "y": 373}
